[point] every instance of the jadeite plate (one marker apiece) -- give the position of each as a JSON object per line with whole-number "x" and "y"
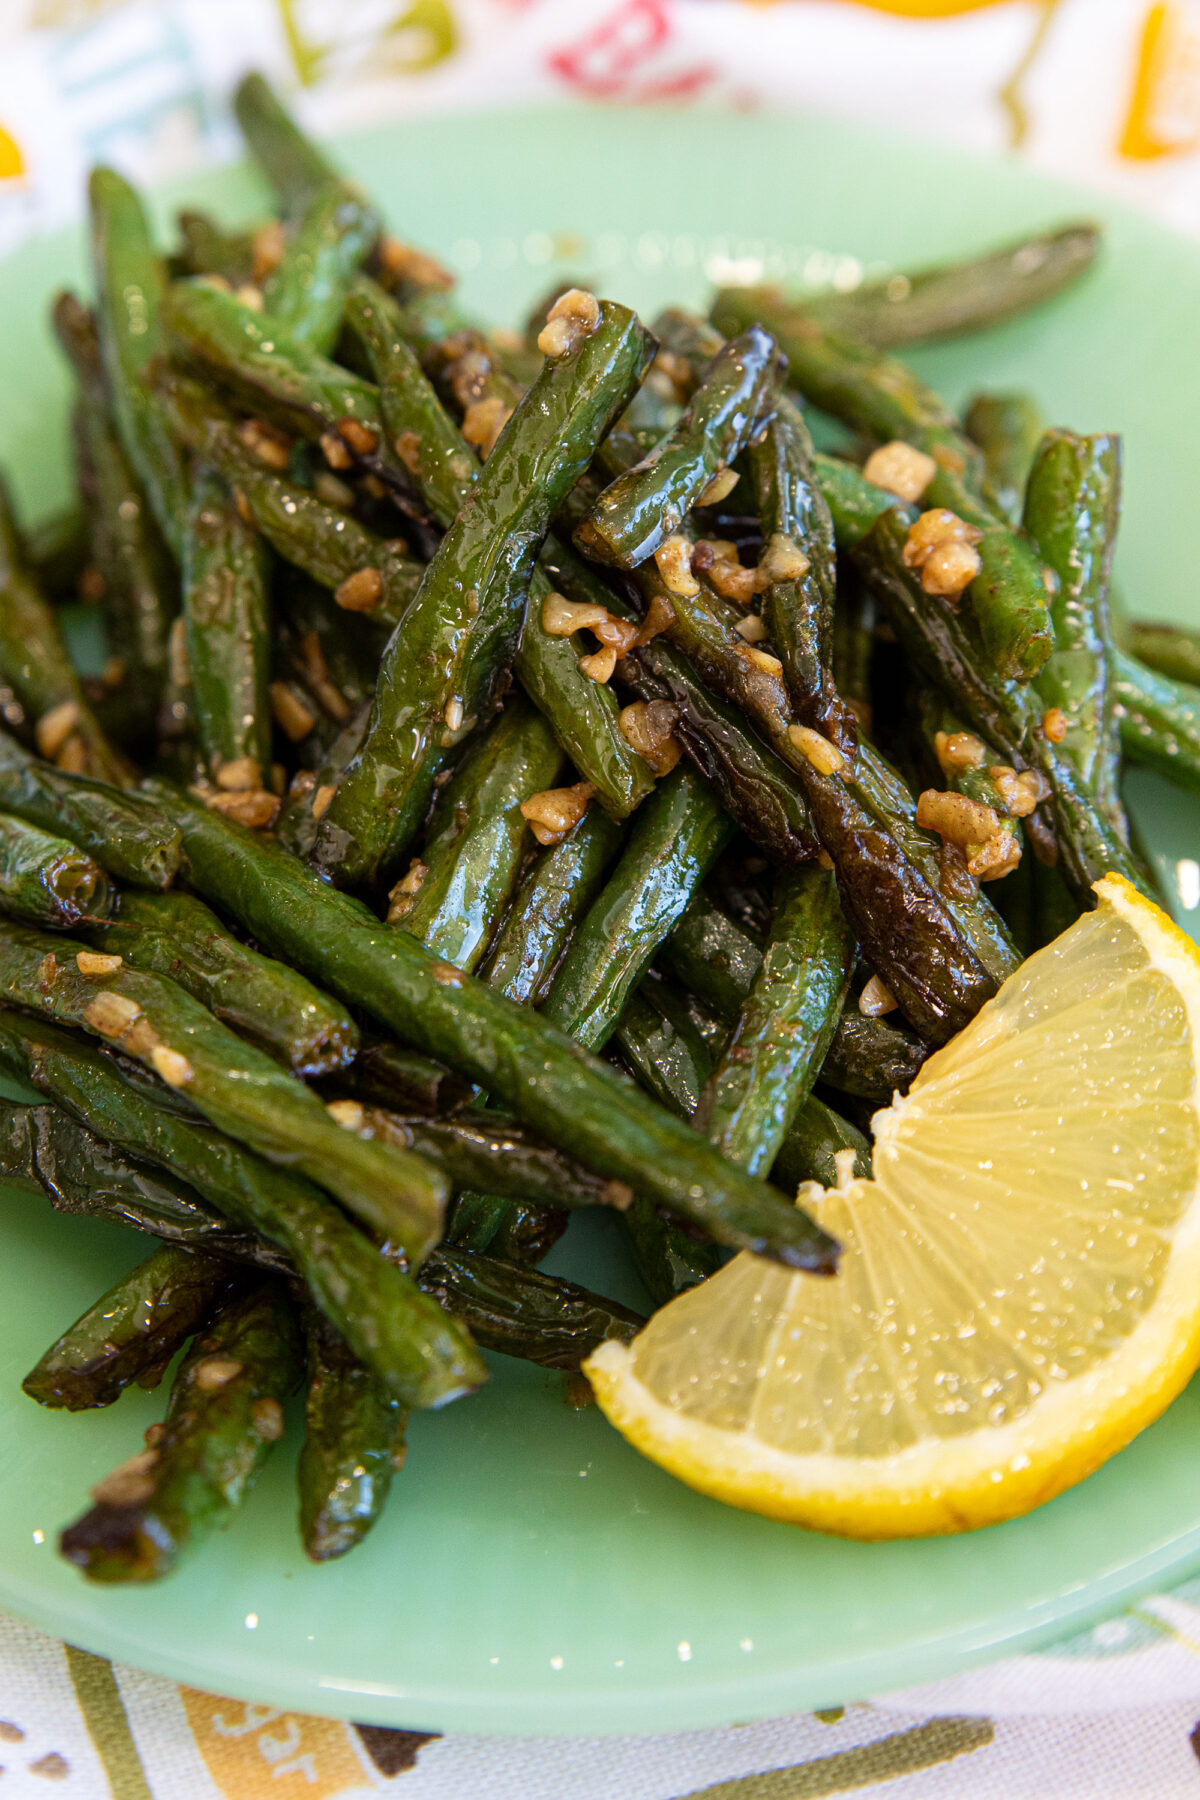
{"x": 533, "y": 1573}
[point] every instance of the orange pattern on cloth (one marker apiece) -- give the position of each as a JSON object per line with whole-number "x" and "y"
{"x": 1164, "y": 108}
{"x": 262, "y": 1753}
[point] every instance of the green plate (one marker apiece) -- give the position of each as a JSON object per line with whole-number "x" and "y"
{"x": 533, "y": 1573}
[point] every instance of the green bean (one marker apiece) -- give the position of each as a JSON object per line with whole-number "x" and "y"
{"x": 239, "y": 1089}
{"x": 757, "y": 791}
{"x": 126, "y": 545}
{"x": 719, "y": 960}
{"x": 1159, "y": 720}
{"x": 554, "y": 896}
{"x": 488, "y": 1151}
{"x": 1008, "y": 429}
{"x": 797, "y": 606}
{"x": 353, "y": 1444}
{"x": 464, "y": 626}
{"x": 419, "y": 1353}
{"x": 387, "y": 1074}
{"x": 573, "y": 1100}
{"x": 521, "y": 1312}
{"x": 471, "y": 859}
{"x": 1170, "y": 650}
{"x": 254, "y": 358}
{"x": 676, "y": 838}
{"x": 289, "y": 159}
{"x": 1072, "y": 504}
{"x": 875, "y": 394}
{"x": 582, "y": 713}
{"x": 132, "y": 1332}
{"x": 646, "y": 504}
{"x": 785, "y": 1025}
{"x": 306, "y": 292}
{"x": 810, "y": 1150}
{"x": 35, "y": 663}
{"x": 127, "y": 834}
{"x": 327, "y": 543}
{"x": 1002, "y": 713}
{"x": 226, "y": 1411}
{"x": 263, "y": 1000}
{"x": 854, "y": 502}
{"x": 225, "y": 612}
{"x": 56, "y": 548}
{"x": 663, "y": 1048}
{"x": 207, "y": 249}
{"x": 47, "y": 881}
{"x": 950, "y": 298}
{"x": 129, "y": 300}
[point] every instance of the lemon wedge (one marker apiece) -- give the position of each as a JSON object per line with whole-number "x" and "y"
{"x": 1019, "y": 1291}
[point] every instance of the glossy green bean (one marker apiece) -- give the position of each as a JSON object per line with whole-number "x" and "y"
{"x": 132, "y": 1331}
{"x": 227, "y": 624}
{"x": 239, "y": 1089}
{"x": 47, "y": 881}
{"x": 1008, "y": 429}
{"x": 262, "y": 999}
{"x": 353, "y": 1445}
{"x": 127, "y": 834}
{"x": 417, "y": 1351}
{"x": 463, "y": 628}
{"x": 575, "y": 1101}
{"x": 554, "y": 896}
{"x": 226, "y": 1411}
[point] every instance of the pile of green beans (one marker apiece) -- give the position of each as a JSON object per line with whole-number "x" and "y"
{"x": 521, "y": 779}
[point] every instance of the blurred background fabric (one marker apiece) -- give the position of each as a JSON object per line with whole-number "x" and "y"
{"x": 1102, "y": 91}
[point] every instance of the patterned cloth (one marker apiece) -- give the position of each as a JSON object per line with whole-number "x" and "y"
{"x": 1103, "y": 90}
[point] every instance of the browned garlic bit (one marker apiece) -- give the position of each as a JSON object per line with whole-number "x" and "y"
{"x": 93, "y": 962}
{"x": 332, "y": 490}
{"x": 111, "y": 1014}
{"x": 900, "y": 468}
{"x": 290, "y": 713}
{"x": 278, "y": 779}
{"x": 561, "y": 617}
{"x": 751, "y": 628}
{"x": 659, "y": 618}
{"x": 360, "y": 592}
{"x": 268, "y": 248}
{"x": 876, "y": 999}
{"x": 171, "y": 1066}
{"x": 600, "y": 665}
{"x": 782, "y": 560}
{"x": 942, "y": 547}
{"x": 1054, "y": 724}
{"x": 408, "y": 449}
{"x": 402, "y": 262}
{"x": 256, "y": 810}
{"x": 717, "y": 560}
{"x": 215, "y": 1372}
{"x": 403, "y": 896}
{"x": 265, "y": 442}
{"x": 335, "y": 451}
{"x": 998, "y": 856}
{"x": 113, "y": 673}
{"x": 825, "y": 757}
{"x": 362, "y": 439}
{"x": 321, "y": 799}
{"x": 129, "y": 1485}
{"x": 555, "y": 811}
{"x": 647, "y": 726}
{"x": 958, "y": 750}
{"x": 671, "y": 377}
{"x": 243, "y": 505}
{"x": 349, "y": 1114}
{"x": 674, "y": 562}
{"x": 483, "y": 422}
{"x": 55, "y": 727}
{"x": 957, "y": 817}
{"x": 1020, "y": 793}
{"x": 453, "y": 715}
{"x": 762, "y": 659}
{"x": 241, "y": 774}
{"x": 317, "y": 671}
{"x": 249, "y": 295}
{"x": 268, "y": 1419}
{"x": 574, "y": 316}
{"x": 719, "y": 488}
{"x": 72, "y": 758}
